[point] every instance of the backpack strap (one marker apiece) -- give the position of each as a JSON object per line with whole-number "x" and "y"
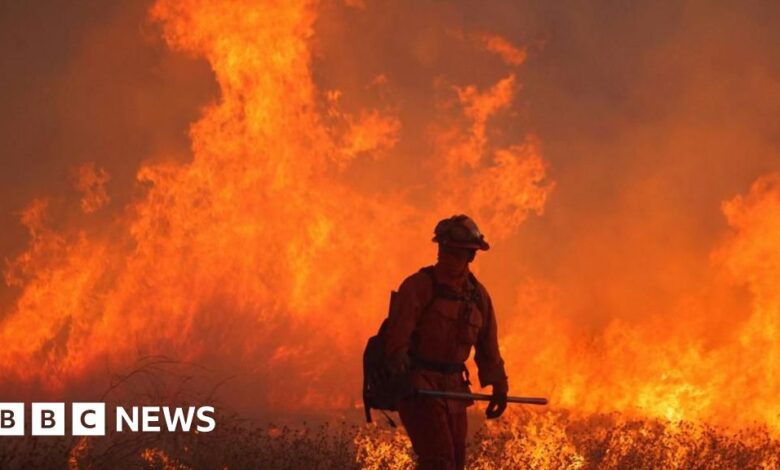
{"x": 439, "y": 291}
{"x": 428, "y": 270}
{"x": 476, "y": 295}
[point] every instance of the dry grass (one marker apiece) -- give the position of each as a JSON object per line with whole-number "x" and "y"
{"x": 533, "y": 440}
{"x": 523, "y": 438}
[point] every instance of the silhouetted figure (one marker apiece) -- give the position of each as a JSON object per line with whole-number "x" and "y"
{"x": 442, "y": 311}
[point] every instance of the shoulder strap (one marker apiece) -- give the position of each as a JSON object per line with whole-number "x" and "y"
{"x": 428, "y": 270}
{"x": 477, "y": 295}
{"x": 436, "y": 291}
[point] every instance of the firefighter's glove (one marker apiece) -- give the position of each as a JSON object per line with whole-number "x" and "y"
{"x": 398, "y": 363}
{"x": 497, "y": 403}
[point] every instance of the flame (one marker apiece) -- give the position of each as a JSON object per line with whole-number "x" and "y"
{"x": 160, "y": 458}
{"x": 660, "y": 370}
{"x": 78, "y": 452}
{"x": 510, "y": 53}
{"x": 263, "y": 252}
{"x": 91, "y": 182}
{"x": 271, "y": 251}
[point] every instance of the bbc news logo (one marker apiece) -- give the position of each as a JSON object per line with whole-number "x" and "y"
{"x": 89, "y": 419}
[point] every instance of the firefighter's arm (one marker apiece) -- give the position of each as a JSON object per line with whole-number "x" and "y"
{"x": 404, "y": 314}
{"x": 487, "y": 355}
{"x": 490, "y": 363}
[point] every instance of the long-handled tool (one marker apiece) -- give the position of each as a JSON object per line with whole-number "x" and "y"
{"x": 479, "y": 396}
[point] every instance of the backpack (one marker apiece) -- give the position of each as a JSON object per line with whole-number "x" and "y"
{"x": 382, "y": 390}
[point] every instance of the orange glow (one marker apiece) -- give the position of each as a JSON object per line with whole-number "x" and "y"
{"x": 91, "y": 182}
{"x": 258, "y": 252}
{"x": 271, "y": 252}
{"x": 511, "y": 54}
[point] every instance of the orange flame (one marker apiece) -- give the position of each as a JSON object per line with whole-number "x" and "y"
{"x": 264, "y": 254}
{"x": 270, "y": 254}
{"x": 660, "y": 370}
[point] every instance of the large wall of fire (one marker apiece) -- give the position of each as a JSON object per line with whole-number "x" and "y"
{"x": 240, "y": 184}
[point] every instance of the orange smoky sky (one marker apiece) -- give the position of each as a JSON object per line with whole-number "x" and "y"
{"x": 240, "y": 184}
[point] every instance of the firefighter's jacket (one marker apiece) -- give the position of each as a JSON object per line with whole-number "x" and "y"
{"x": 439, "y": 329}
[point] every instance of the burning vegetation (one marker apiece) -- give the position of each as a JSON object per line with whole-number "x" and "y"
{"x": 311, "y": 188}
{"x": 544, "y": 440}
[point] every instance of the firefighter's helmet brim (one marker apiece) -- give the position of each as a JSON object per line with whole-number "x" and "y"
{"x": 460, "y": 231}
{"x": 481, "y": 245}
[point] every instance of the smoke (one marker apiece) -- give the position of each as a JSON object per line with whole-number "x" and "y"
{"x": 594, "y": 142}
{"x": 651, "y": 116}
{"x": 659, "y": 113}
{"x": 90, "y": 83}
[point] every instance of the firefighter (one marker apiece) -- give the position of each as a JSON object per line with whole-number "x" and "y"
{"x": 442, "y": 312}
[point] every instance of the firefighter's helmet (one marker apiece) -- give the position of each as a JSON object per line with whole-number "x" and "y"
{"x": 461, "y": 232}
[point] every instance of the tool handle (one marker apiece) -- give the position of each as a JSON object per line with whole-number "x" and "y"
{"x": 480, "y": 397}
